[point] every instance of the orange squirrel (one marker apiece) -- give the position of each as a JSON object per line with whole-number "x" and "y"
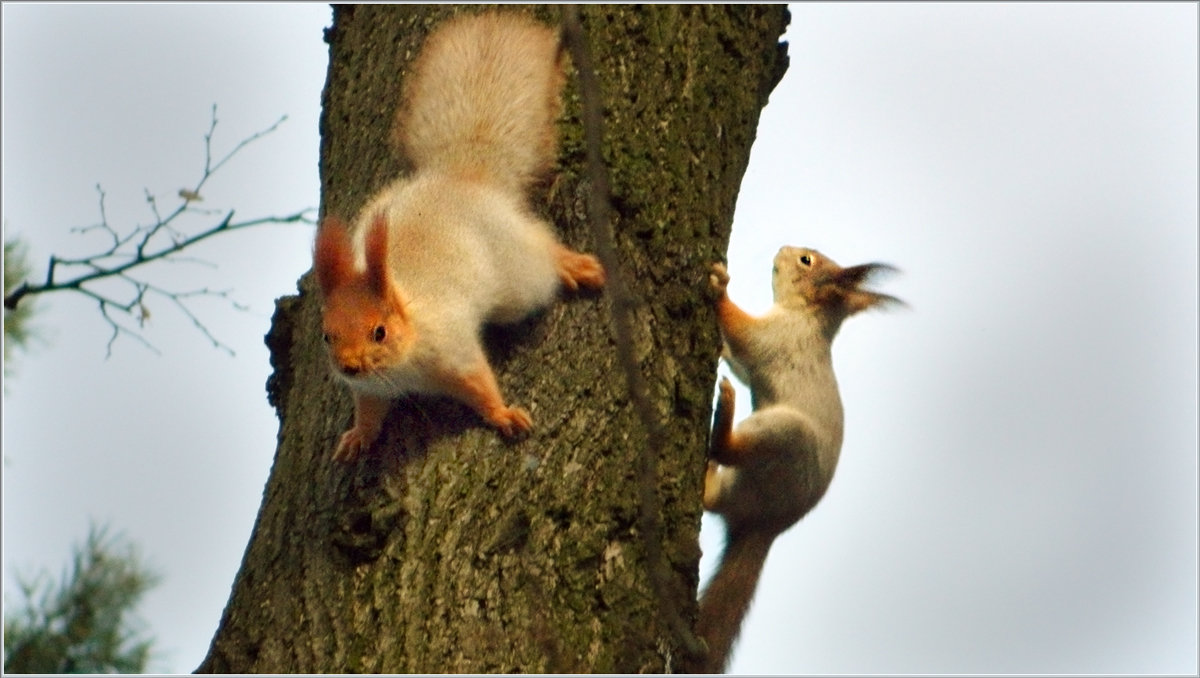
{"x": 775, "y": 466}
{"x": 434, "y": 255}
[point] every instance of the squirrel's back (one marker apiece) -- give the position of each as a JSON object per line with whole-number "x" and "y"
{"x": 482, "y": 100}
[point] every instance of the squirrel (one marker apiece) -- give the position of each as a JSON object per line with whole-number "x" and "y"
{"x": 772, "y": 469}
{"x": 433, "y": 256}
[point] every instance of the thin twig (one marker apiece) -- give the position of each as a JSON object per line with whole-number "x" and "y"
{"x": 177, "y": 299}
{"x": 245, "y": 141}
{"x": 140, "y": 247}
{"x": 117, "y": 328}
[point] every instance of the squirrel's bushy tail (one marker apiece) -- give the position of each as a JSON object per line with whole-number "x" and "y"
{"x": 482, "y": 99}
{"x": 726, "y": 600}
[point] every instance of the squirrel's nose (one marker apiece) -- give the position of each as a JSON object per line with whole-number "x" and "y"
{"x": 350, "y": 370}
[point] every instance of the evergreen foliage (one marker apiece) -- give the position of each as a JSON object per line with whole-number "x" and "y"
{"x": 17, "y": 331}
{"x": 83, "y": 624}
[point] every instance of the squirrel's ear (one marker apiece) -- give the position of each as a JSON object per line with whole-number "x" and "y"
{"x": 379, "y": 276}
{"x": 332, "y": 257}
{"x": 858, "y": 299}
{"x": 861, "y": 300}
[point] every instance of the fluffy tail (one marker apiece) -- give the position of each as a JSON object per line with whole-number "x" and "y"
{"x": 725, "y": 601}
{"x": 482, "y": 100}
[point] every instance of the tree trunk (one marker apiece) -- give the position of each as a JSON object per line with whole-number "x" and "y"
{"x": 445, "y": 548}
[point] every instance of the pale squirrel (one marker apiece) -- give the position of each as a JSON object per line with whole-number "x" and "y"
{"x": 772, "y": 469}
{"x": 437, "y": 254}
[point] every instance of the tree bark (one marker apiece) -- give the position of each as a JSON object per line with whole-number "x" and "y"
{"x": 447, "y": 549}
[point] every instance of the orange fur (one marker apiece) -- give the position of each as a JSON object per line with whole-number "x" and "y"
{"x": 478, "y": 389}
{"x": 369, "y": 412}
{"x": 333, "y": 261}
{"x": 736, "y": 325}
{"x": 575, "y": 269}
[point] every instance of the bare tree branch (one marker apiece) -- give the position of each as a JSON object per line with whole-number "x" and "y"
{"x": 161, "y": 240}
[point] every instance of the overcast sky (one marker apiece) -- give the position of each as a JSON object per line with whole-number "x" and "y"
{"x": 1018, "y": 485}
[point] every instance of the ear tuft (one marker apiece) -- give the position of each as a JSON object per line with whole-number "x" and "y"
{"x": 847, "y": 284}
{"x": 333, "y": 260}
{"x": 861, "y": 300}
{"x": 379, "y": 276}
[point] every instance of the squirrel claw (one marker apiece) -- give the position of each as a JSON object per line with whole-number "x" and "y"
{"x": 512, "y": 421}
{"x": 718, "y": 279}
{"x": 576, "y": 270}
{"x": 726, "y": 397}
{"x": 351, "y": 444}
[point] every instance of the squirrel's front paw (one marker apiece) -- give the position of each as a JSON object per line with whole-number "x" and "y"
{"x": 511, "y": 421}
{"x": 718, "y": 279}
{"x": 353, "y": 442}
{"x": 577, "y": 270}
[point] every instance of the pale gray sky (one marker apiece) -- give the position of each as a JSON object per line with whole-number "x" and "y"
{"x": 1018, "y": 486}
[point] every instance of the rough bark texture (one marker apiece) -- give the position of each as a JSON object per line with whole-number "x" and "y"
{"x": 446, "y": 549}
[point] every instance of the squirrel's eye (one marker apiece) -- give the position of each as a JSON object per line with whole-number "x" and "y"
{"x": 380, "y": 334}
{"x": 325, "y": 337}
{"x": 806, "y": 260}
